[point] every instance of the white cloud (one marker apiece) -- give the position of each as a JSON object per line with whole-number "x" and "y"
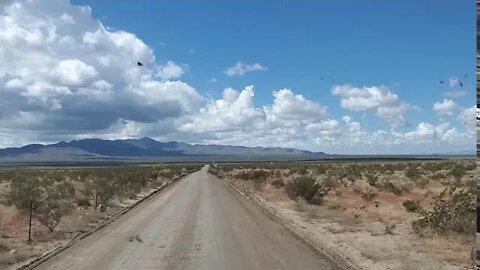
{"x": 239, "y": 69}
{"x": 64, "y": 75}
{"x": 467, "y": 117}
{"x": 65, "y": 69}
{"x": 235, "y": 111}
{"x": 290, "y": 107}
{"x": 73, "y": 72}
{"x": 380, "y": 100}
{"x": 454, "y": 94}
{"x": 454, "y": 82}
{"x": 170, "y": 71}
{"x": 445, "y": 108}
{"x": 330, "y": 127}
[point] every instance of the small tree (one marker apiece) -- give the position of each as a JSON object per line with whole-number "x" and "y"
{"x": 22, "y": 191}
{"x": 50, "y": 199}
{"x": 106, "y": 188}
{"x": 56, "y": 202}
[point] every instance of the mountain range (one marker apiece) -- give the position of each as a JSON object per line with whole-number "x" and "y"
{"x": 92, "y": 149}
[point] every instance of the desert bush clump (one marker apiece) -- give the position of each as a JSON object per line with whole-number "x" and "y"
{"x": 411, "y": 205}
{"x": 335, "y": 205}
{"x": 395, "y": 189}
{"x": 253, "y": 174}
{"x": 278, "y": 183}
{"x": 412, "y": 172}
{"x": 422, "y": 182}
{"x": 84, "y": 202}
{"x": 357, "y": 189}
{"x": 330, "y": 182}
{"x": 438, "y": 176}
{"x": 306, "y": 187}
{"x": 453, "y": 212}
{"x": 353, "y": 173}
{"x": 389, "y": 227}
{"x": 457, "y": 172}
{"x": 372, "y": 178}
{"x": 320, "y": 169}
{"x": 369, "y": 195}
{"x": 299, "y": 170}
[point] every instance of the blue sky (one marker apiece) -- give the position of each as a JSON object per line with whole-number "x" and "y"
{"x": 408, "y": 45}
{"x": 307, "y": 47}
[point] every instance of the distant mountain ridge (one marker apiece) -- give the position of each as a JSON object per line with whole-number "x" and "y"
{"x": 144, "y": 147}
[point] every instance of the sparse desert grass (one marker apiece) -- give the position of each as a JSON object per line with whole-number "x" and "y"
{"x": 65, "y": 201}
{"x": 397, "y": 201}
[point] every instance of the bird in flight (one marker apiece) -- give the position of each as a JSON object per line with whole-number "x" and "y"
{"x": 140, "y": 64}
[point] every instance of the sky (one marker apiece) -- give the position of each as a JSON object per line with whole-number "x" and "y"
{"x": 345, "y": 77}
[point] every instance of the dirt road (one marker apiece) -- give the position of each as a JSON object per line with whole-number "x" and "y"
{"x": 197, "y": 224}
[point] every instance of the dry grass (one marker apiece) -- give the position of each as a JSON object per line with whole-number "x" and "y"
{"x": 367, "y": 214}
{"x": 14, "y": 248}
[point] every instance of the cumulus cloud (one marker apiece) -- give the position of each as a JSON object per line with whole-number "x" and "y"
{"x": 288, "y": 106}
{"x": 170, "y": 71}
{"x": 239, "y": 69}
{"x": 447, "y": 107}
{"x": 467, "y": 117}
{"x": 73, "y": 75}
{"x": 235, "y": 111}
{"x": 380, "y": 100}
{"x": 73, "y": 72}
{"x": 64, "y": 75}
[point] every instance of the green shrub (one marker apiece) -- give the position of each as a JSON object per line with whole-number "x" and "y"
{"x": 389, "y": 186}
{"x": 457, "y": 172}
{"x": 411, "y": 205}
{"x": 306, "y": 187}
{"x": 82, "y": 201}
{"x": 372, "y": 179}
{"x": 412, "y": 172}
{"x": 278, "y": 183}
{"x": 422, "y": 182}
{"x": 369, "y": 195}
{"x": 253, "y": 174}
{"x": 330, "y": 182}
{"x": 453, "y": 212}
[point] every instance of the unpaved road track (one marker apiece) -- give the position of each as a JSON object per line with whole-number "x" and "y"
{"x": 196, "y": 224}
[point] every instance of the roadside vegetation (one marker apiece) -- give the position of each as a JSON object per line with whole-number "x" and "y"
{"x": 422, "y": 206}
{"x": 64, "y": 202}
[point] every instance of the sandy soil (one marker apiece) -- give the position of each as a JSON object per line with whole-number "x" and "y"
{"x": 14, "y": 249}
{"x": 356, "y": 229}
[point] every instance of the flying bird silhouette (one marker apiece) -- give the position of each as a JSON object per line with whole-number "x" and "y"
{"x": 140, "y": 64}
{"x": 460, "y": 83}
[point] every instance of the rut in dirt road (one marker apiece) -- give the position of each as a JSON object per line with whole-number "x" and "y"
{"x": 196, "y": 224}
